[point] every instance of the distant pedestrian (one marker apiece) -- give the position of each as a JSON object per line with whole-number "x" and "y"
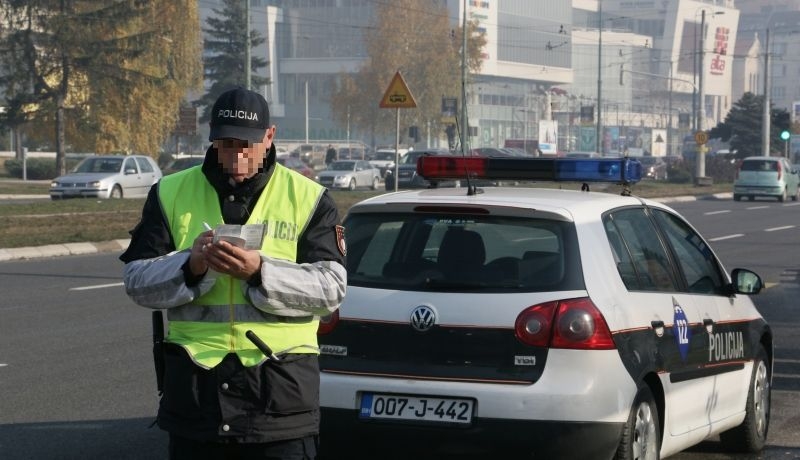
{"x": 330, "y": 155}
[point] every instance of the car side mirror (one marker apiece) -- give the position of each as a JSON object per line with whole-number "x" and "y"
{"x": 130, "y": 171}
{"x": 746, "y": 281}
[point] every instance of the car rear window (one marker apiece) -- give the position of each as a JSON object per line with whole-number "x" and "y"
{"x": 447, "y": 252}
{"x": 759, "y": 165}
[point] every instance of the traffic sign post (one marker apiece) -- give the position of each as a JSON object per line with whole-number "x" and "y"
{"x": 397, "y": 96}
{"x": 701, "y": 138}
{"x": 786, "y": 135}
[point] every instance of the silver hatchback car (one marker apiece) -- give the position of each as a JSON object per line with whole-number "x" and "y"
{"x": 772, "y": 177}
{"x": 108, "y": 176}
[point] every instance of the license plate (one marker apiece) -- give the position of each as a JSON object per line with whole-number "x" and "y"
{"x": 424, "y": 409}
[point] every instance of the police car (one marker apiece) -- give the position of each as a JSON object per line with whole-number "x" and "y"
{"x": 559, "y": 323}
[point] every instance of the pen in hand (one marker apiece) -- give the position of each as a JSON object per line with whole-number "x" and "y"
{"x": 206, "y": 226}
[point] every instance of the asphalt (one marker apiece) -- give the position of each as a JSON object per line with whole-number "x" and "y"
{"x": 66, "y": 249}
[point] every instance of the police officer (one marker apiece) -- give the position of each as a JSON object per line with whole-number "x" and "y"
{"x": 223, "y": 397}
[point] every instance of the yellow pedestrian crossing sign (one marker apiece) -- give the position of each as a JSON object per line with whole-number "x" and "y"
{"x": 397, "y": 95}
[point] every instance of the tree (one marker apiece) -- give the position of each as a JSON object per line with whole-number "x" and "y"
{"x": 416, "y": 38}
{"x": 742, "y": 127}
{"x": 109, "y": 75}
{"x": 224, "y": 59}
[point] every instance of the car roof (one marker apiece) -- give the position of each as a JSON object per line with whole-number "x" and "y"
{"x": 568, "y": 204}
{"x": 761, "y": 158}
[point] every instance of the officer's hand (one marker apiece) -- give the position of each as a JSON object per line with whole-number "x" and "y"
{"x": 197, "y": 258}
{"x": 226, "y": 258}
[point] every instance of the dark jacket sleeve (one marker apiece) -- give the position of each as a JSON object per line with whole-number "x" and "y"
{"x": 151, "y": 237}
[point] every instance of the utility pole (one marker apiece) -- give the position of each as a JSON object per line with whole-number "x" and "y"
{"x": 765, "y": 119}
{"x": 700, "y": 162}
{"x": 599, "y": 133}
{"x": 247, "y": 70}
{"x": 464, "y": 120}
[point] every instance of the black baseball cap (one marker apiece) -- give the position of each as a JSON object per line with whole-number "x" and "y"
{"x": 239, "y": 114}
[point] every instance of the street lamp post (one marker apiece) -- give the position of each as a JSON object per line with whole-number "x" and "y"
{"x": 700, "y": 162}
{"x": 599, "y": 133}
{"x": 701, "y": 153}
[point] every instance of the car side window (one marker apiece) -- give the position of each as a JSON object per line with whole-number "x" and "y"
{"x": 697, "y": 262}
{"x": 642, "y": 260}
{"x": 144, "y": 165}
{"x": 130, "y": 163}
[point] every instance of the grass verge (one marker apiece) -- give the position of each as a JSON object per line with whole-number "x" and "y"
{"x": 43, "y": 222}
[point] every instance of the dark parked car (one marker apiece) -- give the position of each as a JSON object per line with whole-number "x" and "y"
{"x": 297, "y": 165}
{"x": 182, "y": 163}
{"x": 407, "y": 171}
{"x": 653, "y": 168}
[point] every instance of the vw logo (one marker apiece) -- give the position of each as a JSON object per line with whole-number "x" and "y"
{"x": 423, "y": 318}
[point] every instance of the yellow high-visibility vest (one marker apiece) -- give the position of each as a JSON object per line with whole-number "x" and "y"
{"x": 215, "y": 323}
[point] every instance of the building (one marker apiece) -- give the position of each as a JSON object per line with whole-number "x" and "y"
{"x": 661, "y": 74}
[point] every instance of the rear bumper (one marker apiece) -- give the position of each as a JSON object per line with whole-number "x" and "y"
{"x": 343, "y": 435}
{"x": 757, "y": 190}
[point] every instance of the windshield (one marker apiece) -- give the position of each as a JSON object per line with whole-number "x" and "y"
{"x": 341, "y": 166}
{"x": 410, "y": 158}
{"x": 384, "y": 156}
{"x": 93, "y": 165}
{"x": 447, "y": 252}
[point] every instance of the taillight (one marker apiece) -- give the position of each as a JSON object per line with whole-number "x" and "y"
{"x": 328, "y": 323}
{"x": 780, "y": 170}
{"x": 573, "y": 324}
{"x": 534, "y": 325}
{"x": 738, "y": 168}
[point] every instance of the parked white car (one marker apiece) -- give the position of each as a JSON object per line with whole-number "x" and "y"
{"x": 108, "y": 176}
{"x": 350, "y": 174}
{"x": 385, "y": 159}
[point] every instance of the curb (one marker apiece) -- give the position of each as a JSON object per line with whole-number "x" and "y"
{"x": 66, "y": 249}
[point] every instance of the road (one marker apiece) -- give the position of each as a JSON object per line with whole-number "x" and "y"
{"x": 75, "y": 356}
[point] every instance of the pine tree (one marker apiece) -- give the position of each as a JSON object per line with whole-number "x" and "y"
{"x": 743, "y": 124}
{"x": 224, "y": 47}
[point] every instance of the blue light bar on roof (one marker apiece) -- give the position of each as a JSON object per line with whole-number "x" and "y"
{"x": 614, "y": 170}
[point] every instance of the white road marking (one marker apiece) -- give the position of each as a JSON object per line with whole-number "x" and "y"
{"x": 727, "y": 237}
{"x": 787, "y": 376}
{"x": 3, "y": 364}
{"x": 97, "y": 286}
{"x": 775, "y": 229}
{"x": 716, "y": 212}
{"x": 757, "y": 207}
{"x": 797, "y": 203}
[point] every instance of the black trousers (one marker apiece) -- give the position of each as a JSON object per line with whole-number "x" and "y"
{"x": 293, "y": 449}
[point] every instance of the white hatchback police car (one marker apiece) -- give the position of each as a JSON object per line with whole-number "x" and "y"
{"x": 560, "y": 324}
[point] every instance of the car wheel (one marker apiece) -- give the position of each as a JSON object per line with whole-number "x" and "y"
{"x": 352, "y": 185}
{"x": 782, "y": 196}
{"x": 751, "y": 435}
{"x": 737, "y": 197}
{"x": 796, "y": 194}
{"x": 116, "y": 192}
{"x": 375, "y": 183}
{"x": 640, "y": 435}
